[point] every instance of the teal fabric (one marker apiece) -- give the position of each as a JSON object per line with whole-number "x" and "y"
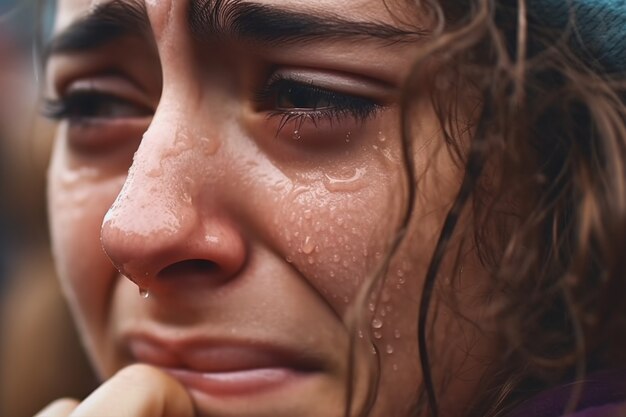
{"x": 596, "y": 28}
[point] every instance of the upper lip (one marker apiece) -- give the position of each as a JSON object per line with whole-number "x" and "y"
{"x": 213, "y": 356}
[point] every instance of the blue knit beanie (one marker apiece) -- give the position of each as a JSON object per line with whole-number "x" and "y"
{"x": 597, "y": 28}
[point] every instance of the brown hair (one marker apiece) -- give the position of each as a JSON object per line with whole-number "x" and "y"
{"x": 551, "y": 127}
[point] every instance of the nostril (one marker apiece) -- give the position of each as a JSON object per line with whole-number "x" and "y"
{"x": 191, "y": 268}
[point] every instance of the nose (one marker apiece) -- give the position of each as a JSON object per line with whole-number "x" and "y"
{"x": 168, "y": 224}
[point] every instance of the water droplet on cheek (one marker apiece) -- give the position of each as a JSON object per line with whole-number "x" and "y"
{"x": 351, "y": 184}
{"x": 377, "y": 324}
{"x": 389, "y": 349}
{"x": 144, "y": 293}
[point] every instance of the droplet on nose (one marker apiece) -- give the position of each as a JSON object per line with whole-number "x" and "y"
{"x": 210, "y": 146}
{"x": 308, "y": 246}
{"x": 155, "y": 172}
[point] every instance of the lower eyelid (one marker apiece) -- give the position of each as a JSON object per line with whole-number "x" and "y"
{"x": 99, "y": 136}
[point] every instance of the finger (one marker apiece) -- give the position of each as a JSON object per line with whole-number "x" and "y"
{"x": 138, "y": 391}
{"x": 59, "y": 408}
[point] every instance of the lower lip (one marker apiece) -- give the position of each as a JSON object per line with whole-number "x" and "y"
{"x": 244, "y": 382}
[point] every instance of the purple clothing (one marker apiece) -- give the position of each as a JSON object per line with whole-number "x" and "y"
{"x": 611, "y": 410}
{"x": 603, "y": 395}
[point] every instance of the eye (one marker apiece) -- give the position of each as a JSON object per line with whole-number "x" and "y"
{"x": 99, "y": 122}
{"x": 92, "y": 105}
{"x": 301, "y": 97}
{"x": 298, "y": 102}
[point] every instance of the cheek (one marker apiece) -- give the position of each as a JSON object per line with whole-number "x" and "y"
{"x": 78, "y": 198}
{"x": 334, "y": 229}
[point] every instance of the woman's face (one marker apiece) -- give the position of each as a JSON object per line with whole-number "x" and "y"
{"x": 241, "y": 164}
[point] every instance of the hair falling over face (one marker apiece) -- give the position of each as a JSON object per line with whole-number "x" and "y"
{"x": 545, "y": 182}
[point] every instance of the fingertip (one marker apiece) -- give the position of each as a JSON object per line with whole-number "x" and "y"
{"x": 169, "y": 397}
{"x": 175, "y": 399}
{"x": 139, "y": 372}
{"x": 140, "y": 390}
{"x": 59, "y": 408}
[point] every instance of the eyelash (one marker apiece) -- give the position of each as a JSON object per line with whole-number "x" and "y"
{"x": 85, "y": 105}
{"x": 339, "y": 105}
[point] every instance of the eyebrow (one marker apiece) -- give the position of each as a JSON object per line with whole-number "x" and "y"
{"x": 104, "y": 24}
{"x": 224, "y": 19}
{"x": 277, "y": 26}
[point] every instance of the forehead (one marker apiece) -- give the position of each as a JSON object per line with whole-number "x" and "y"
{"x": 370, "y": 10}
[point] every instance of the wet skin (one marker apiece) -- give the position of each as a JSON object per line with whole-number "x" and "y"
{"x": 249, "y": 189}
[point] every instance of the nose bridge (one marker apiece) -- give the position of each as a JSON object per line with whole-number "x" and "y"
{"x": 158, "y": 218}
{"x": 154, "y": 207}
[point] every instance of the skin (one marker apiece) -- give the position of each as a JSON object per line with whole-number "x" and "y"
{"x": 243, "y": 236}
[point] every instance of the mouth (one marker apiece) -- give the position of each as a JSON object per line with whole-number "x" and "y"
{"x": 236, "y": 383}
{"x": 226, "y": 369}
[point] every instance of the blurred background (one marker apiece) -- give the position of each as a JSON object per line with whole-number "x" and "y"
{"x": 40, "y": 356}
